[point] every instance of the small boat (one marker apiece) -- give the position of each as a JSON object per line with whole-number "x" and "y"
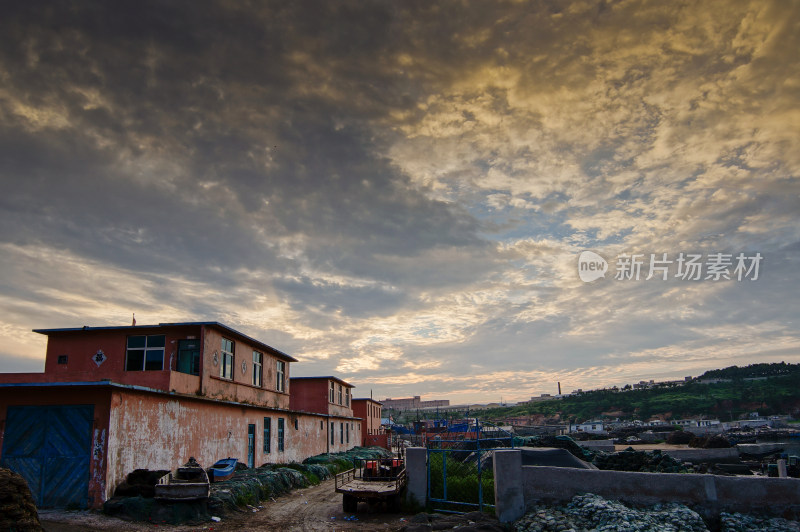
{"x": 186, "y": 483}
{"x": 222, "y": 470}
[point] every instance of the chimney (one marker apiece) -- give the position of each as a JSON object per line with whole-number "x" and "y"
{"x": 559, "y": 388}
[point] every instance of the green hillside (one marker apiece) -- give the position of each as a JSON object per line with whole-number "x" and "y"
{"x": 767, "y": 388}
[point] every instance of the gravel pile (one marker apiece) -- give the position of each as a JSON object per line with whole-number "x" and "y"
{"x": 644, "y": 461}
{"x": 745, "y": 523}
{"x": 592, "y": 512}
{"x": 589, "y": 513}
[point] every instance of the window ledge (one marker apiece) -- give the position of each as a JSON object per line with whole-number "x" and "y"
{"x": 238, "y": 383}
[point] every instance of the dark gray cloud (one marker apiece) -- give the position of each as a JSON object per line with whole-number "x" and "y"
{"x": 397, "y": 191}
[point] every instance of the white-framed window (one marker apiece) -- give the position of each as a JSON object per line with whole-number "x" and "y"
{"x": 340, "y": 393}
{"x": 258, "y": 360}
{"x": 347, "y": 396}
{"x": 226, "y": 362}
{"x": 280, "y": 379}
{"x": 331, "y": 394}
{"x": 145, "y": 353}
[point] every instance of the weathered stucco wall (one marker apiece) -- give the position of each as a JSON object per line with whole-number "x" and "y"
{"x": 148, "y": 430}
{"x": 240, "y": 388}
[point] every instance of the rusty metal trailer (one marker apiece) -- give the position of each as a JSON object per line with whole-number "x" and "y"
{"x": 372, "y": 481}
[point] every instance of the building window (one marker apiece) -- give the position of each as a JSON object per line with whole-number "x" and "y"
{"x": 340, "y": 393}
{"x": 321, "y": 425}
{"x": 331, "y": 394}
{"x": 62, "y": 359}
{"x": 267, "y": 433}
{"x": 347, "y": 396}
{"x": 188, "y": 357}
{"x": 258, "y": 359}
{"x": 295, "y": 424}
{"x": 280, "y": 383}
{"x": 145, "y": 353}
{"x": 347, "y": 433}
{"x": 341, "y": 432}
{"x": 333, "y": 432}
{"x": 226, "y": 364}
{"x": 280, "y": 434}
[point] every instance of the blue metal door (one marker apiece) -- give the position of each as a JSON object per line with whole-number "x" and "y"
{"x": 251, "y": 445}
{"x": 50, "y": 446}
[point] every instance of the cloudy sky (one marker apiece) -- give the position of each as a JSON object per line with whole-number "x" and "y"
{"x": 397, "y": 192}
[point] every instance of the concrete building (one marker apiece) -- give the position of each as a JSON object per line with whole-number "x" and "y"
{"x": 114, "y": 399}
{"x": 411, "y": 403}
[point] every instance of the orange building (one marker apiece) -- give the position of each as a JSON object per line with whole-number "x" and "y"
{"x": 331, "y": 397}
{"x": 114, "y": 399}
{"x": 369, "y": 411}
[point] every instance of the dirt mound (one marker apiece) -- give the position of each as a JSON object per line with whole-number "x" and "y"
{"x": 17, "y": 510}
{"x": 680, "y": 437}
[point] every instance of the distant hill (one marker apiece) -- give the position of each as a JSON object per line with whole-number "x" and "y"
{"x": 753, "y": 371}
{"x": 768, "y": 389}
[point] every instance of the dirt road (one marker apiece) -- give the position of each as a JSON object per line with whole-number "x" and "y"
{"x": 318, "y": 508}
{"x": 314, "y": 509}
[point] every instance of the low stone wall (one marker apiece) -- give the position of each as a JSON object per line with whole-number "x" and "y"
{"x": 597, "y": 445}
{"x": 704, "y": 455}
{"x": 708, "y": 494}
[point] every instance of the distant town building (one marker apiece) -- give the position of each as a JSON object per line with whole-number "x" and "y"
{"x": 412, "y": 403}
{"x": 592, "y": 427}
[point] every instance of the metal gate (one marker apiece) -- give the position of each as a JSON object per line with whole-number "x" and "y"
{"x": 50, "y": 446}
{"x": 460, "y": 471}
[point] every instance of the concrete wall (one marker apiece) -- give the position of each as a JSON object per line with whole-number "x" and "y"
{"x": 598, "y": 445}
{"x": 708, "y": 493}
{"x": 704, "y": 455}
